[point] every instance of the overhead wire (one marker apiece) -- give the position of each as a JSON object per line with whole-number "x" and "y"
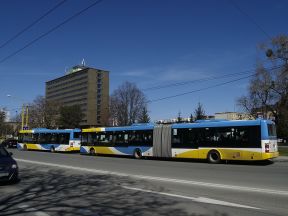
{"x": 195, "y": 81}
{"x": 214, "y": 77}
{"x": 32, "y": 24}
{"x": 250, "y": 18}
{"x": 209, "y": 87}
{"x": 50, "y": 31}
{"x": 204, "y": 79}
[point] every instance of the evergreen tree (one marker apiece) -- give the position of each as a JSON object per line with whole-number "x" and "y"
{"x": 144, "y": 116}
{"x": 191, "y": 118}
{"x": 199, "y": 112}
{"x": 179, "y": 118}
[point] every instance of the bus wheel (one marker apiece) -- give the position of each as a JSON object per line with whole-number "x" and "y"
{"x": 214, "y": 157}
{"x": 137, "y": 154}
{"x": 25, "y": 147}
{"x": 92, "y": 151}
{"x": 52, "y": 149}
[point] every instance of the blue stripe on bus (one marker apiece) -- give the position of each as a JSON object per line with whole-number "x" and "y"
{"x": 48, "y": 146}
{"x": 83, "y": 150}
{"x": 45, "y": 130}
{"x": 125, "y": 150}
{"x": 130, "y": 149}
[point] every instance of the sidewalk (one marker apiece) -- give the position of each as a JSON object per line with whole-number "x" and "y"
{"x": 280, "y": 159}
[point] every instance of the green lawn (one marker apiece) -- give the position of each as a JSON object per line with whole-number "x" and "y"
{"x": 283, "y": 151}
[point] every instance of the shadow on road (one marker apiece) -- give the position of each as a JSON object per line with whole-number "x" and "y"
{"x": 54, "y": 192}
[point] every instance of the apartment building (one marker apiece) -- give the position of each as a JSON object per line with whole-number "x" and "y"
{"x": 87, "y": 87}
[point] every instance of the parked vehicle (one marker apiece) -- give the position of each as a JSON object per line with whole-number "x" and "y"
{"x": 8, "y": 167}
{"x": 10, "y": 143}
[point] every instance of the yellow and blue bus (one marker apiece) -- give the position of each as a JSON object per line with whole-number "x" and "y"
{"x": 213, "y": 140}
{"x": 53, "y": 140}
{"x": 134, "y": 140}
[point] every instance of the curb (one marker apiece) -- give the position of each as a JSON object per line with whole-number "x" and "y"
{"x": 281, "y": 159}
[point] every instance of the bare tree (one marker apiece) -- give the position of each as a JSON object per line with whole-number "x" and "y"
{"x": 43, "y": 113}
{"x": 126, "y": 104}
{"x": 260, "y": 98}
{"x": 2, "y": 122}
{"x": 268, "y": 89}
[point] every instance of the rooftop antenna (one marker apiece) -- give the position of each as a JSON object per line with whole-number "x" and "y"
{"x": 83, "y": 62}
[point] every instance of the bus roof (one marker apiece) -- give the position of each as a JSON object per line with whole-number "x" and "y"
{"x": 223, "y": 123}
{"x": 197, "y": 124}
{"x": 45, "y": 130}
{"x": 132, "y": 127}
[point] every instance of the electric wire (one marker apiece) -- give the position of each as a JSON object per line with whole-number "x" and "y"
{"x": 195, "y": 81}
{"x": 50, "y": 31}
{"x": 209, "y": 87}
{"x": 205, "y": 79}
{"x": 32, "y": 24}
{"x": 250, "y": 18}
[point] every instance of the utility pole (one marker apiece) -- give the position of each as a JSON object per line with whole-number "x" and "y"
{"x": 24, "y": 114}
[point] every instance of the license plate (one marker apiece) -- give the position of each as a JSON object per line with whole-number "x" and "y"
{"x": 4, "y": 174}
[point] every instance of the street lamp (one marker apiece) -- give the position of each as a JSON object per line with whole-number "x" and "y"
{"x": 24, "y": 114}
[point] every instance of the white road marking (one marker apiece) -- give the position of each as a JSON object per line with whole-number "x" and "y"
{"x": 195, "y": 199}
{"x": 153, "y": 178}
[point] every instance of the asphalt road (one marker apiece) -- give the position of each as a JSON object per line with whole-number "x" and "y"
{"x": 73, "y": 184}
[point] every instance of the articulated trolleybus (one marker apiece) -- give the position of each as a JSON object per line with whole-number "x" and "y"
{"x": 62, "y": 140}
{"x": 211, "y": 140}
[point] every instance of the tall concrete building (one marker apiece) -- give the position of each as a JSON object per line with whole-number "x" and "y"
{"x": 87, "y": 87}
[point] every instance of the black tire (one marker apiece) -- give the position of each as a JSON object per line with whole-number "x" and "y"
{"x": 25, "y": 147}
{"x": 214, "y": 157}
{"x": 137, "y": 154}
{"x": 92, "y": 151}
{"x": 52, "y": 149}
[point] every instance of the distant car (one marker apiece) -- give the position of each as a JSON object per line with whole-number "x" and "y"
{"x": 10, "y": 143}
{"x": 8, "y": 167}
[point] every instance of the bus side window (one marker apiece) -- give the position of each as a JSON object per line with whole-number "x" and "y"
{"x": 84, "y": 139}
{"x": 148, "y": 138}
{"x": 35, "y": 138}
{"x": 126, "y": 138}
{"x": 111, "y": 138}
{"x": 77, "y": 135}
{"x": 176, "y": 139}
{"x": 54, "y": 138}
{"x": 42, "y": 138}
{"x": 64, "y": 138}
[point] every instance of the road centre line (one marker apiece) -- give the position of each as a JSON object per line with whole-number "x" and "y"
{"x": 195, "y": 199}
{"x": 153, "y": 178}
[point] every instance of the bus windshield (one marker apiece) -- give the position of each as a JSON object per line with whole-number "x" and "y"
{"x": 271, "y": 130}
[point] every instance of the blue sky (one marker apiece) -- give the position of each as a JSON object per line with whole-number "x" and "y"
{"x": 148, "y": 42}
